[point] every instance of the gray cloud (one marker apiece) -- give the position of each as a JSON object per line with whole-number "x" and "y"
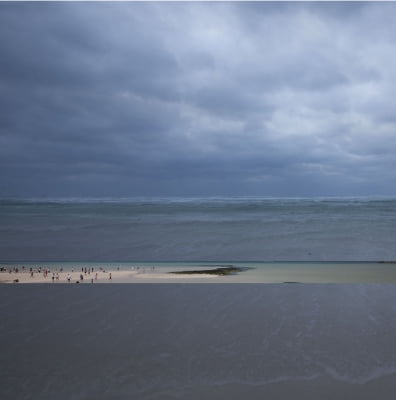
{"x": 123, "y": 99}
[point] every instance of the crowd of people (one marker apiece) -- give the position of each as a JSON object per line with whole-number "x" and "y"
{"x": 87, "y": 273}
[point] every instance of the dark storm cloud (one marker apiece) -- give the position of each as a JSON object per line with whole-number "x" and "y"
{"x": 102, "y": 99}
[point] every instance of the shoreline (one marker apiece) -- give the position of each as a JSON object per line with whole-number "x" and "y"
{"x": 199, "y": 272}
{"x": 100, "y": 276}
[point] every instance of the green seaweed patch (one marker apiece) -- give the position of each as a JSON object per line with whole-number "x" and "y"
{"x": 222, "y": 271}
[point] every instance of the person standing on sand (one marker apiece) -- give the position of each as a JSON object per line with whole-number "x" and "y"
{"x": 68, "y": 277}
{"x": 109, "y": 275}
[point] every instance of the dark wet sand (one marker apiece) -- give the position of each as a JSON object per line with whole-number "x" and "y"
{"x": 184, "y": 341}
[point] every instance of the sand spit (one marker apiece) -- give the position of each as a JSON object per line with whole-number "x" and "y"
{"x": 102, "y": 276}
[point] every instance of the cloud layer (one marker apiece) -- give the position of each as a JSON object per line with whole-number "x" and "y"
{"x": 125, "y": 99}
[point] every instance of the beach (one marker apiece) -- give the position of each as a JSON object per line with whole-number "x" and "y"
{"x": 148, "y": 275}
{"x": 197, "y": 200}
{"x": 198, "y": 272}
{"x": 156, "y": 342}
{"x": 166, "y": 326}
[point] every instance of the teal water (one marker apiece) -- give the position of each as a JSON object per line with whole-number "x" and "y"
{"x": 215, "y": 229}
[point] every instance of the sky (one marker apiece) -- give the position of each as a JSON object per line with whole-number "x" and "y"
{"x": 197, "y": 99}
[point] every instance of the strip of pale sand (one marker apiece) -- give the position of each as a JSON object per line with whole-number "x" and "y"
{"x": 102, "y": 276}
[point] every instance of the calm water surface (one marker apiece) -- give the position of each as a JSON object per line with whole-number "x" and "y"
{"x": 215, "y": 229}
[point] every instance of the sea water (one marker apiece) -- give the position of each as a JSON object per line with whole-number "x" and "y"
{"x": 198, "y": 229}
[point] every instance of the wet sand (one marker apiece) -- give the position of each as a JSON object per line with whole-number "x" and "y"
{"x": 176, "y": 341}
{"x": 323, "y": 388}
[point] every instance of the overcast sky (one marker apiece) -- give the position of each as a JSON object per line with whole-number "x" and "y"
{"x": 197, "y": 99}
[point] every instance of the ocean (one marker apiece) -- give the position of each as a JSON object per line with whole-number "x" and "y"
{"x": 212, "y": 341}
{"x": 198, "y": 229}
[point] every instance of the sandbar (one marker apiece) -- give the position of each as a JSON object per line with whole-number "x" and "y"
{"x": 103, "y": 276}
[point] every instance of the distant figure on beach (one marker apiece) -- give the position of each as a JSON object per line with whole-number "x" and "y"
{"x": 110, "y": 275}
{"x": 68, "y": 277}
{"x": 81, "y": 277}
{"x": 53, "y": 276}
{"x": 96, "y": 276}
